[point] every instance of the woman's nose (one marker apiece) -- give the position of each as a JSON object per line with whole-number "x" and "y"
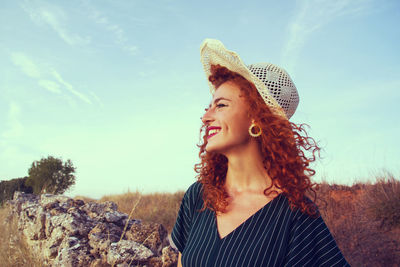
{"x": 207, "y": 118}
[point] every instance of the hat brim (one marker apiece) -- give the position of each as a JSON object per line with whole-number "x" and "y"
{"x": 213, "y": 52}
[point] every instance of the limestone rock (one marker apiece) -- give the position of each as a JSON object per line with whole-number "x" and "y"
{"x": 68, "y": 232}
{"x": 169, "y": 257}
{"x": 128, "y": 251}
{"x": 152, "y": 235}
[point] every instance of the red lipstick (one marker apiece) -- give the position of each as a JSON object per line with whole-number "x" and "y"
{"x": 212, "y": 128}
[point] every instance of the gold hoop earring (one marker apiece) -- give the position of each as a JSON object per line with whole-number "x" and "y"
{"x": 258, "y": 133}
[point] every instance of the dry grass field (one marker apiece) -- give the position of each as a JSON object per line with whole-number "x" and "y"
{"x": 157, "y": 207}
{"x": 13, "y": 249}
{"x": 364, "y": 219}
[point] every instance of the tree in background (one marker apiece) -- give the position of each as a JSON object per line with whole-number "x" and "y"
{"x": 7, "y": 188}
{"x": 51, "y": 175}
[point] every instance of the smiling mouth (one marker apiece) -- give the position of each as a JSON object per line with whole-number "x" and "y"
{"x": 213, "y": 132}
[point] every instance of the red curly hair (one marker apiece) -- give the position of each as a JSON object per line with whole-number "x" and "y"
{"x": 282, "y": 145}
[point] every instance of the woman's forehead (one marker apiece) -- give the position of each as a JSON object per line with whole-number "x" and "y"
{"x": 227, "y": 90}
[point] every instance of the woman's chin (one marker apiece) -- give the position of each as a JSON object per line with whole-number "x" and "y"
{"x": 210, "y": 148}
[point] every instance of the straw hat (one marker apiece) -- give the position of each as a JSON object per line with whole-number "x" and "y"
{"x": 272, "y": 82}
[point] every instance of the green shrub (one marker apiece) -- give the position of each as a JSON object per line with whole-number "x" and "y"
{"x": 7, "y": 188}
{"x": 51, "y": 175}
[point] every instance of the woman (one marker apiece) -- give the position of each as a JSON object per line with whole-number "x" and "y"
{"x": 248, "y": 207}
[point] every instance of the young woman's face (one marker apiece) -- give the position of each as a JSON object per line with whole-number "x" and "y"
{"x": 227, "y": 120}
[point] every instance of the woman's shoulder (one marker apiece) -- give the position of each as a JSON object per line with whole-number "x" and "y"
{"x": 195, "y": 188}
{"x": 296, "y": 213}
{"x": 193, "y": 195}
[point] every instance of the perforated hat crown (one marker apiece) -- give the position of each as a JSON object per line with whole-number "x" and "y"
{"x": 272, "y": 82}
{"x": 279, "y": 85}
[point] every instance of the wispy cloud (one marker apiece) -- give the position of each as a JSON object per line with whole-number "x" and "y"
{"x": 97, "y": 98}
{"x": 312, "y": 16}
{"x": 117, "y": 31}
{"x": 15, "y": 127}
{"x": 69, "y": 87}
{"x": 56, "y": 18}
{"x": 25, "y": 64}
{"x": 46, "y": 78}
{"x": 50, "y": 86}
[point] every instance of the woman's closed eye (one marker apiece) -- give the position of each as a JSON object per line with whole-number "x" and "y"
{"x": 221, "y": 105}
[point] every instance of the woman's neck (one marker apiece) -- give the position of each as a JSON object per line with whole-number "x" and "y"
{"x": 246, "y": 172}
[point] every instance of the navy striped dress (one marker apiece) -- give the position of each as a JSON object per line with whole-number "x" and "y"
{"x": 273, "y": 236}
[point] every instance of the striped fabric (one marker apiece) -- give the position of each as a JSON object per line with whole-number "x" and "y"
{"x": 273, "y": 236}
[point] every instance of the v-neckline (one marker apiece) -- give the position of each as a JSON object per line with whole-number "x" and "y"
{"x": 244, "y": 222}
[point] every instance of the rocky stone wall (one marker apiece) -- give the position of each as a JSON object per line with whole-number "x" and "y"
{"x": 66, "y": 232}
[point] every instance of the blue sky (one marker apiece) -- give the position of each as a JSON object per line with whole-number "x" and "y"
{"x": 118, "y": 88}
